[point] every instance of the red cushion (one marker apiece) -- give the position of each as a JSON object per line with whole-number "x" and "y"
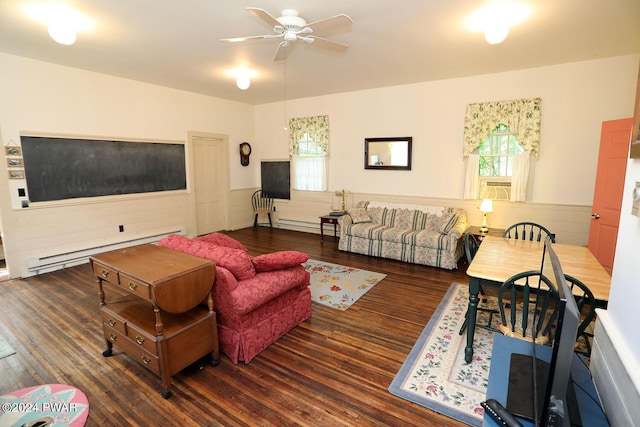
{"x": 237, "y": 261}
{"x": 279, "y": 260}
{"x": 222, "y": 240}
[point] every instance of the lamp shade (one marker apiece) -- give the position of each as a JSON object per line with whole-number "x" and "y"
{"x": 486, "y": 205}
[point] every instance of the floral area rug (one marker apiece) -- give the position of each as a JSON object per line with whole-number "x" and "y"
{"x": 435, "y": 374}
{"x": 338, "y": 286}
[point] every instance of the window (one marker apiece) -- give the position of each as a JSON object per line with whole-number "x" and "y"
{"x": 495, "y": 163}
{"x": 497, "y": 151}
{"x": 309, "y": 150}
{"x": 501, "y": 138}
{"x": 309, "y": 166}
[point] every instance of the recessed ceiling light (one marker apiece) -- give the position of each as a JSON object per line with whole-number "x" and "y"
{"x": 496, "y": 18}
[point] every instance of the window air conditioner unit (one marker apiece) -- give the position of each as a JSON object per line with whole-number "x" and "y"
{"x": 496, "y": 190}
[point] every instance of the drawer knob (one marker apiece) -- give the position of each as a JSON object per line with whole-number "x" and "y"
{"x": 145, "y": 360}
{"x": 133, "y": 286}
{"x": 139, "y": 339}
{"x": 111, "y": 322}
{"x": 112, "y": 337}
{"x": 104, "y": 273}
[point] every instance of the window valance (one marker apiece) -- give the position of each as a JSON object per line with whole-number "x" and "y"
{"x": 317, "y": 127}
{"x": 521, "y": 116}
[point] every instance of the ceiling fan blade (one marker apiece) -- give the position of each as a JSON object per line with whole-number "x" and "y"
{"x": 244, "y": 39}
{"x": 264, "y": 16}
{"x": 328, "y": 44}
{"x": 282, "y": 52}
{"x": 330, "y": 23}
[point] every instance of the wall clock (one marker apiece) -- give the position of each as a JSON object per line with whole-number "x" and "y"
{"x": 245, "y": 151}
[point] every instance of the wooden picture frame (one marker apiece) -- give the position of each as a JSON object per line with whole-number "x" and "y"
{"x": 388, "y": 153}
{"x": 12, "y": 150}
{"x": 16, "y": 174}
{"x": 14, "y": 162}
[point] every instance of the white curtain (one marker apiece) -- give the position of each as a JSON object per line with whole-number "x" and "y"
{"x": 471, "y": 181}
{"x": 520, "y": 177}
{"x": 309, "y": 173}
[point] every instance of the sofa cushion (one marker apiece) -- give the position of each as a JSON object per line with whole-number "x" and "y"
{"x": 237, "y": 261}
{"x": 367, "y": 230}
{"x": 278, "y": 260}
{"x": 222, "y": 240}
{"x": 404, "y": 219}
{"x": 359, "y": 215}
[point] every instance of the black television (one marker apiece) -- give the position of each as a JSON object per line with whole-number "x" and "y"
{"x": 559, "y": 406}
{"x": 549, "y": 398}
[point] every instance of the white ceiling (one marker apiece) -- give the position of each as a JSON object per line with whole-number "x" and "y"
{"x": 175, "y": 43}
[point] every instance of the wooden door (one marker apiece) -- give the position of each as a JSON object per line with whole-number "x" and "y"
{"x": 211, "y": 182}
{"x": 607, "y": 198}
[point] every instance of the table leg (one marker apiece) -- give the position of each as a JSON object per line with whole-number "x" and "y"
{"x": 335, "y": 229}
{"x": 474, "y": 289}
{"x": 321, "y": 229}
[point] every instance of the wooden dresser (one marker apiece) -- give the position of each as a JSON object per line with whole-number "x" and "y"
{"x": 161, "y": 323}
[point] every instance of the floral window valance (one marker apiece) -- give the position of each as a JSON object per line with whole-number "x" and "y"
{"x": 521, "y": 116}
{"x": 317, "y": 127}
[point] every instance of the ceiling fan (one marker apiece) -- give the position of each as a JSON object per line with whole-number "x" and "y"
{"x": 291, "y": 27}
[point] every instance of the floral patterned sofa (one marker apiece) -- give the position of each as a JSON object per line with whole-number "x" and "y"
{"x": 429, "y": 235}
{"x": 257, "y": 299}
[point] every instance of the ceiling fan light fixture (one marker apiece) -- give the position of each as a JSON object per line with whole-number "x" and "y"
{"x": 496, "y": 34}
{"x": 243, "y": 82}
{"x": 62, "y": 33}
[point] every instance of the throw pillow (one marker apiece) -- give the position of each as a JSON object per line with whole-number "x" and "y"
{"x": 278, "y": 260}
{"x": 446, "y": 222}
{"x": 222, "y": 240}
{"x": 358, "y": 215}
{"x": 237, "y": 261}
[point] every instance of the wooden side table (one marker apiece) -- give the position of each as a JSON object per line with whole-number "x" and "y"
{"x": 329, "y": 219}
{"x": 479, "y": 235}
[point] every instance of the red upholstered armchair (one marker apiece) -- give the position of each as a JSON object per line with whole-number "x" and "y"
{"x": 257, "y": 299}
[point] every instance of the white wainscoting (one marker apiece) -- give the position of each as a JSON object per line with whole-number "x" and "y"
{"x": 570, "y": 223}
{"x": 616, "y": 373}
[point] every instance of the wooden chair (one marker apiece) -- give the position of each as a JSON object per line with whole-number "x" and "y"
{"x": 528, "y": 231}
{"x": 262, "y": 205}
{"x": 586, "y": 306}
{"x": 521, "y": 304}
{"x": 471, "y": 246}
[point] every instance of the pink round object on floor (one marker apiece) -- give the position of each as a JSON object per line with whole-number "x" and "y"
{"x": 42, "y": 405}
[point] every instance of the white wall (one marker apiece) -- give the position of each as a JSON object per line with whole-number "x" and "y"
{"x": 51, "y": 99}
{"x": 576, "y": 99}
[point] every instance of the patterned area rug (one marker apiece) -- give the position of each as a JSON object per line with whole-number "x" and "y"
{"x": 435, "y": 374}
{"x": 338, "y": 286}
{"x": 5, "y": 348}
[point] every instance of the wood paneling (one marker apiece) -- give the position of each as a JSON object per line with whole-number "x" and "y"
{"x": 333, "y": 369}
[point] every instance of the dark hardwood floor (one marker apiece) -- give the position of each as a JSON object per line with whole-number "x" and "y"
{"x": 331, "y": 370}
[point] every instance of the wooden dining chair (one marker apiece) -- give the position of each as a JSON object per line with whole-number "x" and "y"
{"x": 262, "y": 205}
{"x": 586, "y": 305}
{"x": 525, "y": 311}
{"x": 528, "y": 231}
{"x": 471, "y": 246}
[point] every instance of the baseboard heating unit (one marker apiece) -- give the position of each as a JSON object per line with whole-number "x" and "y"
{"x": 34, "y": 266}
{"x": 296, "y": 225}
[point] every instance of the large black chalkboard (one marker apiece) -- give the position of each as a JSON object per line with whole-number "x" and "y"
{"x": 276, "y": 180}
{"x": 67, "y": 168}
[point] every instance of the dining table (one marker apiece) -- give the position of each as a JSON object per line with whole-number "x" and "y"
{"x": 499, "y": 258}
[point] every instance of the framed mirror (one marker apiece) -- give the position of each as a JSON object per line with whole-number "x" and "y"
{"x": 388, "y": 153}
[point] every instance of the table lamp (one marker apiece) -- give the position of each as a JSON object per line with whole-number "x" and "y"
{"x": 485, "y": 207}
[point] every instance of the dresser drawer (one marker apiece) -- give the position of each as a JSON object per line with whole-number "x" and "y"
{"x": 134, "y": 286}
{"x": 140, "y": 354}
{"x": 142, "y": 339}
{"x": 105, "y": 273}
{"x": 114, "y": 322}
